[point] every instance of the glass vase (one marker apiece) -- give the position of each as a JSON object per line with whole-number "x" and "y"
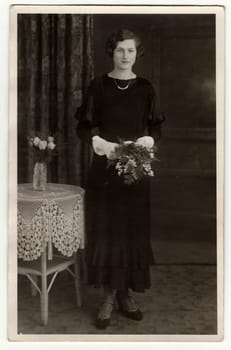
{"x": 40, "y": 176}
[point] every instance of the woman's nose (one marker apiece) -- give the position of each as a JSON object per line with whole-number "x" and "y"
{"x": 125, "y": 54}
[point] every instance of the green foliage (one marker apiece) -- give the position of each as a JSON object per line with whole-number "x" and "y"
{"x": 133, "y": 161}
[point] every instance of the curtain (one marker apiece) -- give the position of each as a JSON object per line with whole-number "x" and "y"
{"x": 55, "y": 66}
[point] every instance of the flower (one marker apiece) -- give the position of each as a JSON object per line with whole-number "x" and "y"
{"x": 36, "y": 141}
{"x": 31, "y": 141}
{"x": 50, "y": 139}
{"x": 43, "y": 148}
{"x": 51, "y": 145}
{"x": 42, "y": 145}
{"x": 133, "y": 160}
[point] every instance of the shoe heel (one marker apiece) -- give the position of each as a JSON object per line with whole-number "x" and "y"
{"x": 102, "y": 323}
{"x": 134, "y": 315}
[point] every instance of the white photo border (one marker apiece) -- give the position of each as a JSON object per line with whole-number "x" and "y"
{"x": 12, "y": 188}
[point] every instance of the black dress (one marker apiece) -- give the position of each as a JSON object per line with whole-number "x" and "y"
{"x": 118, "y": 215}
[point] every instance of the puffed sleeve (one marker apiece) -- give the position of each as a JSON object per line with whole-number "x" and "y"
{"x": 88, "y": 113}
{"x": 155, "y": 116}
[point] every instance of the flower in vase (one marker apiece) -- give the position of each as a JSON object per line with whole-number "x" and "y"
{"x": 31, "y": 141}
{"x": 36, "y": 141}
{"x": 50, "y": 139}
{"x": 42, "y": 145}
{"x": 51, "y": 145}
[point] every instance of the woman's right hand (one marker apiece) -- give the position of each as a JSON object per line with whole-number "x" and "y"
{"x": 103, "y": 147}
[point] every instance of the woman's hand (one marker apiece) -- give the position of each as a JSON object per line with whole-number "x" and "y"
{"x": 146, "y": 141}
{"x": 103, "y": 147}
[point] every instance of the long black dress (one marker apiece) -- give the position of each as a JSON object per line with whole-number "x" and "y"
{"x": 118, "y": 215}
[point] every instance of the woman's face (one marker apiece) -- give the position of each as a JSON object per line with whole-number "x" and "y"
{"x": 124, "y": 55}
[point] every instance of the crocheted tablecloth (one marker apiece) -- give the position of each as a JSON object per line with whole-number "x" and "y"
{"x": 54, "y": 217}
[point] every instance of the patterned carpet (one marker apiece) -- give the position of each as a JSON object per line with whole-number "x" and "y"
{"x": 182, "y": 301}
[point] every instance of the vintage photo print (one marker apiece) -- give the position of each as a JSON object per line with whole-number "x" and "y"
{"x": 116, "y": 131}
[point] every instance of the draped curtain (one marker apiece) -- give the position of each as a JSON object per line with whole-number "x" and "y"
{"x": 55, "y": 66}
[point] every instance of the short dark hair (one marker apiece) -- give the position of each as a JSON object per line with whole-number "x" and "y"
{"x": 121, "y": 35}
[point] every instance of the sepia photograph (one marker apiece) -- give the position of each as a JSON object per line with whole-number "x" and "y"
{"x": 116, "y": 196}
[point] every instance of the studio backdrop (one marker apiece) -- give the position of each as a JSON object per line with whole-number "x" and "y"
{"x": 57, "y": 57}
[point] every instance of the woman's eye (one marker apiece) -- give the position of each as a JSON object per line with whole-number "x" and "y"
{"x": 120, "y": 50}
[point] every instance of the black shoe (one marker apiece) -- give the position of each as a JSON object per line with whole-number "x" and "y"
{"x": 104, "y": 315}
{"x": 128, "y": 307}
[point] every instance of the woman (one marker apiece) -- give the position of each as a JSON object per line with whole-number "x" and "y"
{"x": 118, "y": 105}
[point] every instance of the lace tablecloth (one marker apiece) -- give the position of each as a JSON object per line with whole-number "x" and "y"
{"x": 52, "y": 217}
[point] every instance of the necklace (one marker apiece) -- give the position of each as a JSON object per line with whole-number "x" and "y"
{"x": 120, "y": 87}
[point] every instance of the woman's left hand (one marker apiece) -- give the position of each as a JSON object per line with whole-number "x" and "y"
{"x": 146, "y": 141}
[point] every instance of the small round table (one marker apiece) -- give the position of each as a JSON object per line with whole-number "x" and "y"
{"x": 49, "y": 219}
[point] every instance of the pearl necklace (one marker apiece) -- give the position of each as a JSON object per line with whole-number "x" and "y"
{"x": 120, "y": 87}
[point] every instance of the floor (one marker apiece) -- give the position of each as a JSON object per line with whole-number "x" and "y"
{"x": 182, "y": 299}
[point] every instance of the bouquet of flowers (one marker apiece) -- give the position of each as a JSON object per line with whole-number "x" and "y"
{"x": 133, "y": 161}
{"x": 43, "y": 147}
